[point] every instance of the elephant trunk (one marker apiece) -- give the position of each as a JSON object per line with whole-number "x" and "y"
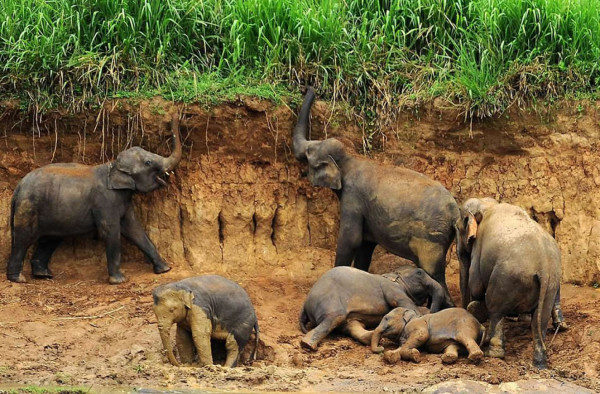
{"x": 299, "y": 138}
{"x": 165, "y": 337}
{"x": 375, "y": 338}
{"x": 171, "y": 162}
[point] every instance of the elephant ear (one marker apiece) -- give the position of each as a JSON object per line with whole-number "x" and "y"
{"x": 187, "y": 298}
{"x": 471, "y": 226}
{"x": 408, "y": 315}
{"x": 119, "y": 176}
{"x": 326, "y": 174}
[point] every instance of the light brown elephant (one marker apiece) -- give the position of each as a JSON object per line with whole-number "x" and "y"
{"x": 204, "y": 308}
{"x": 444, "y": 332}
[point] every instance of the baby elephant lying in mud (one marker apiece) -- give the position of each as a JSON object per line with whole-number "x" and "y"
{"x": 204, "y": 308}
{"x": 442, "y": 332}
{"x": 349, "y": 299}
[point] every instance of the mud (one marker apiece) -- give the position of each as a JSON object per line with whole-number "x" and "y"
{"x": 239, "y": 206}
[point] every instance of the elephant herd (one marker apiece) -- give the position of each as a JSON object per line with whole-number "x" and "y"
{"x": 509, "y": 265}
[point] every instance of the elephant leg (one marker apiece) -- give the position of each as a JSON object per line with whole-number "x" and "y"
{"x": 356, "y": 330}
{"x": 23, "y": 238}
{"x": 362, "y": 258}
{"x": 185, "y": 345}
{"x": 432, "y": 258}
{"x": 201, "y": 327}
{"x": 450, "y": 354}
{"x": 539, "y": 324}
{"x": 111, "y": 233}
{"x": 311, "y": 340}
{"x": 475, "y": 353}
{"x": 133, "y": 231}
{"x": 349, "y": 235}
{"x": 233, "y": 351}
{"x": 557, "y": 314}
{"x": 409, "y": 351}
{"x": 41, "y": 256}
{"x": 496, "y": 348}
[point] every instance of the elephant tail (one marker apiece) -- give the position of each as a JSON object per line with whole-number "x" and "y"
{"x": 13, "y": 203}
{"x": 303, "y": 320}
{"x": 257, "y": 332}
{"x": 482, "y": 335}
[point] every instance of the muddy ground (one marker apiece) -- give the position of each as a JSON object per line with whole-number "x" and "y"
{"x": 76, "y": 330}
{"x": 239, "y": 206}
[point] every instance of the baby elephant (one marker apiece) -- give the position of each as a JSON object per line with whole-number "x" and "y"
{"x": 444, "y": 331}
{"x": 204, "y": 307}
{"x": 350, "y": 299}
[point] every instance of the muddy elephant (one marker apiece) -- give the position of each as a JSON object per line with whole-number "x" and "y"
{"x": 509, "y": 265}
{"x": 407, "y": 213}
{"x": 60, "y": 200}
{"x": 351, "y": 300}
{"x": 446, "y": 332}
{"x": 204, "y": 308}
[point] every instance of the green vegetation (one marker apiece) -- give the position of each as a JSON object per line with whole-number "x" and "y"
{"x": 376, "y": 54}
{"x": 45, "y": 390}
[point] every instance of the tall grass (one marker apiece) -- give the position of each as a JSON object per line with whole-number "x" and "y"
{"x": 485, "y": 54}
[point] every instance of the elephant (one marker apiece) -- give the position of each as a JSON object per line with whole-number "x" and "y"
{"x": 445, "y": 332}
{"x": 204, "y": 308}
{"x": 407, "y": 213}
{"x": 351, "y": 300}
{"x": 508, "y": 265}
{"x": 66, "y": 199}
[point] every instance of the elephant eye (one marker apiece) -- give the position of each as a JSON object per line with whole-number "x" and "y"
{"x": 148, "y": 163}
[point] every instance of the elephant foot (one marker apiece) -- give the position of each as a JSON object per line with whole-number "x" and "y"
{"x": 308, "y": 345}
{"x": 414, "y": 355}
{"x": 478, "y": 310}
{"x": 391, "y": 357}
{"x": 540, "y": 361}
{"x": 378, "y": 349}
{"x": 42, "y": 273}
{"x": 562, "y": 326}
{"x": 449, "y": 358}
{"x": 495, "y": 351}
{"x": 116, "y": 279}
{"x": 476, "y": 356}
{"x": 17, "y": 278}
{"x": 161, "y": 268}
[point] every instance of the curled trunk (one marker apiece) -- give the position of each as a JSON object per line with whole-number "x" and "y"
{"x": 172, "y": 161}
{"x": 375, "y": 338}
{"x": 165, "y": 337}
{"x": 299, "y": 138}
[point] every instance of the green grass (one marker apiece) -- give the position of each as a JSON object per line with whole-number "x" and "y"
{"x": 375, "y": 54}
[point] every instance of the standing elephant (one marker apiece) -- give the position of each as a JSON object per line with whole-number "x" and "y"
{"x": 509, "y": 265}
{"x": 205, "y": 307}
{"x": 60, "y": 200}
{"x": 349, "y": 299}
{"x": 442, "y": 332}
{"x": 404, "y": 211}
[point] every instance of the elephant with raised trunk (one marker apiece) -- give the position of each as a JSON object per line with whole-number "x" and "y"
{"x": 351, "y": 300}
{"x": 204, "y": 308}
{"x": 60, "y": 200}
{"x": 509, "y": 265}
{"x": 446, "y": 332}
{"x": 407, "y": 213}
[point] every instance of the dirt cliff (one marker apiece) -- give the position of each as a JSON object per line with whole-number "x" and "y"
{"x": 239, "y": 200}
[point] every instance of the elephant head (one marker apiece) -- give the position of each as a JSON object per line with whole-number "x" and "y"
{"x": 391, "y": 326}
{"x": 171, "y": 305}
{"x": 326, "y": 159}
{"x": 138, "y": 169}
{"x": 419, "y": 286}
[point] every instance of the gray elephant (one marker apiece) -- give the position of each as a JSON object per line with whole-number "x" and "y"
{"x": 351, "y": 300}
{"x": 509, "y": 265}
{"x": 60, "y": 200}
{"x": 446, "y": 332}
{"x": 404, "y": 211}
{"x": 204, "y": 308}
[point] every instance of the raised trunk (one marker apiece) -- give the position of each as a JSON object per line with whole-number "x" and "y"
{"x": 299, "y": 138}
{"x": 165, "y": 337}
{"x": 172, "y": 161}
{"x": 375, "y": 338}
